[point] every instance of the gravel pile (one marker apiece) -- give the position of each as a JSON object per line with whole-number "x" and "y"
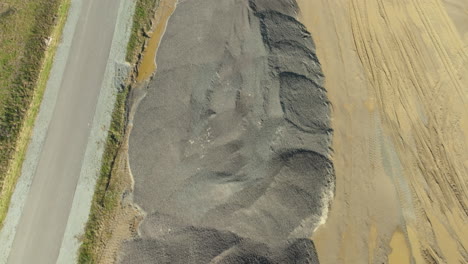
{"x": 229, "y": 148}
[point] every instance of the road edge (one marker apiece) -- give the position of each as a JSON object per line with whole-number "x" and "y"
{"x": 18, "y": 199}
{"x": 116, "y": 73}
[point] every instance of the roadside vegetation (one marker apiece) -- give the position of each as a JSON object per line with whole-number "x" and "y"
{"x": 107, "y": 193}
{"x": 142, "y": 23}
{"x": 109, "y": 187}
{"x": 29, "y": 35}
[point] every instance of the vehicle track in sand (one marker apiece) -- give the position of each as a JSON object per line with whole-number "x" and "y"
{"x": 409, "y": 61}
{"x": 415, "y": 61}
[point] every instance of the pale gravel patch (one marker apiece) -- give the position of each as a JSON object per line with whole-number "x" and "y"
{"x": 18, "y": 199}
{"x": 116, "y": 72}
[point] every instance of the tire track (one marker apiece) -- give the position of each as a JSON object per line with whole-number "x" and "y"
{"x": 366, "y": 205}
{"x": 419, "y": 57}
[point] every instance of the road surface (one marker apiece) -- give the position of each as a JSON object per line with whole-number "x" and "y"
{"x": 45, "y": 215}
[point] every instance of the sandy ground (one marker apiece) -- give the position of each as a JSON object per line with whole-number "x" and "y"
{"x": 123, "y": 223}
{"x": 396, "y": 72}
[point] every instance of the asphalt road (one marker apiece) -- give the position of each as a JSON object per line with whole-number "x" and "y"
{"x": 42, "y": 225}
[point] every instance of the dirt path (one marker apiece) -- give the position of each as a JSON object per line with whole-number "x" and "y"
{"x": 396, "y": 74}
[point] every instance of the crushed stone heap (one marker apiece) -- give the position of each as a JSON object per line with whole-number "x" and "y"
{"x": 229, "y": 148}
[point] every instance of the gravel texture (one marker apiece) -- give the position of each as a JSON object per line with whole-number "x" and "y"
{"x": 229, "y": 148}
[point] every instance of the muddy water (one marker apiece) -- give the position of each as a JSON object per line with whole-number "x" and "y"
{"x": 148, "y": 64}
{"x": 396, "y": 74}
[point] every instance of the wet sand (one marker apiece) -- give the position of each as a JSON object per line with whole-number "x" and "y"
{"x": 400, "y": 250}
{"x": 397, "y": 79}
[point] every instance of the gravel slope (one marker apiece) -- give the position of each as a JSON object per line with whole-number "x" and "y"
{"x": 229, "y": 148}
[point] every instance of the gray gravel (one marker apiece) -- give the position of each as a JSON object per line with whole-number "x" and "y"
{"x": 229, "y": 148}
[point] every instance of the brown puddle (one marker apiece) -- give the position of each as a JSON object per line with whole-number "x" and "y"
{"x": 148, "y": 65}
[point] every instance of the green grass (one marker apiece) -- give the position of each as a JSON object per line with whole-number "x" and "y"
{"x": 108, "y": 192}
{"x": 144, "y": 12}
{"x": 25, "y": 63}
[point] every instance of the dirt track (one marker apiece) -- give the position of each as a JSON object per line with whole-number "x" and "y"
{"x": 397, "y": 78}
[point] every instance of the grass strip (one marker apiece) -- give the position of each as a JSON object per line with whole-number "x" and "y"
{"x": 108, "y": 192}
{"x": 22, "y": 105}
{"x": 144, "y": 12}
